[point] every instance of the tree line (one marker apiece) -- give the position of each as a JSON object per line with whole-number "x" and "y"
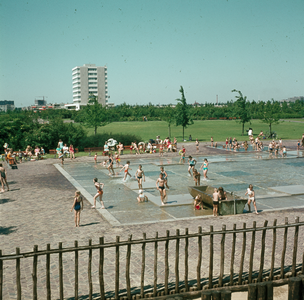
{"x": 22, "y": 128}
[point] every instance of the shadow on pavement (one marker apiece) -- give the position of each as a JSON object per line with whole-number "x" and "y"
{"x": 3, "y": 201}
{"x": 7, "y": 230}
{"x": 93, "y": 223}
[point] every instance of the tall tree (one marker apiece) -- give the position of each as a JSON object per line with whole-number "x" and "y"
{"x": 241, "y": 109}
{"x": 168, "y": 116}
{"x": 182, "y": 116}
{"x": 271, "y": 114}
{"x": 95, "y": 115}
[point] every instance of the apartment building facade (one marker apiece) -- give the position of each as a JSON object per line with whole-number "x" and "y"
{"x": 89, "y": 80}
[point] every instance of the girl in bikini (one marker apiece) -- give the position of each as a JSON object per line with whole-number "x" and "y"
{"x": 99, "y": 186}
{"x": 78, "y": 206}
{"x": 205, "y": 168}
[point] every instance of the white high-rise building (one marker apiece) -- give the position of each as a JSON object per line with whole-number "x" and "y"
{"x": 88, "y": 80}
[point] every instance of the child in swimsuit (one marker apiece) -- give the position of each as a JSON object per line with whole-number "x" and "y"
{"x": 95, "y": 158}
{"x": 99, "y": 186}
{"x": 251, "y": 197}
{"x": 183, "y": 155}
{"x": 165, "y": 176}
{"x": 205, "y": 168}
{"x": 126, "y": 167}
{"x": 110, "y": 166}
{"x": 139, "y": 175}
{"x": 192, "y": 163}
{"x": 78, "y": 206}
{"x": 198, "y": 203}
{"x": 161, "y": 150}
{"x": 20, "y": 154}
{"x": 141, "y": 197}
{"x": 197, "y": 145}
{"x": 211, "y": 141}
{"x": 160, "y": 185}
{"x": 3, "y": 177}
{"x": 284, "y": 152}
{"x": 215, "y": 202}
{"x": 197, "y": 177}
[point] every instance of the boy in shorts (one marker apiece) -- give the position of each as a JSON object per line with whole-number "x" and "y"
{"x": 139, "y": 175}
{"x": 215, "y": 202}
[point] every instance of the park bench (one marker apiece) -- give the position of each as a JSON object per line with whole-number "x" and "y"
{"x": 93, "y": 149}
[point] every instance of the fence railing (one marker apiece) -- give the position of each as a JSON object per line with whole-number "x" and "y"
{"x": 152, "y": 267}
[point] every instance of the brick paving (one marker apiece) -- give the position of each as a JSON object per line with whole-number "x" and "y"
{"x": 36, "y": 211}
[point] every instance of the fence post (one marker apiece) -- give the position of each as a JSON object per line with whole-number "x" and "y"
{"x": 60, "y": 272}
{"x": 274, "y": 239}
{"x": 294, "y": 287}
{"x": 262, "y": 291}
{"x": 199, "y": 262}
{"x": 269, "y": 286}
{"x": 252, "y": 291}
{"x": 128, "y": 261}
{"x": 186, "y": 259}
{"x": 155, "y": 264}
{"x": 284, "y": 249}
{"x": 251, "y": 252}
{"x": 100, "y": 269}
{"x": 206, "y": 295}
{"x": 1, "y": 275}
{"x": 18, "y": 275}
{"x": 295, "y": 248}
{"x": 143, "y": 264}
{"x": 76, "y": 269}
{"x": 167, "y": 262}
{"x": 90, "y": 271}
{"x": 226, "y": 295}
{"x": 216, "y": 295}
{"x": 222, "y": 256}
{"x": 243, "y": 255}
{"x": 177, "y": 263}
{"x": 34, "y": 274}
{"x": 262, "y": 252}
{"x": 211, "y": 258}
{"x": 117, "y": 268}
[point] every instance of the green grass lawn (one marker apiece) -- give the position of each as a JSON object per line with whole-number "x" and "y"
{"x": 202, "y": 130}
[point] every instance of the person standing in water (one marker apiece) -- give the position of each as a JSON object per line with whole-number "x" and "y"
{"x": 99, "y": 186}
{"x": 160, "y": 185}
{"x": 205, "y": 168}
{"x": 140, "y": 175}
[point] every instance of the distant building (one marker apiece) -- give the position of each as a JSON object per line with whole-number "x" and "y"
{"x": 293, "y": 99}
{"x": 6, "y": 105}
{"x": 89, "y": 80}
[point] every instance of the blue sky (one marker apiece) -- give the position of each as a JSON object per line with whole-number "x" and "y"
{"x": 151, "y": 48}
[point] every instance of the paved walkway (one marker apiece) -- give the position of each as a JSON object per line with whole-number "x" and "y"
{"x": 36, "y": 211}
